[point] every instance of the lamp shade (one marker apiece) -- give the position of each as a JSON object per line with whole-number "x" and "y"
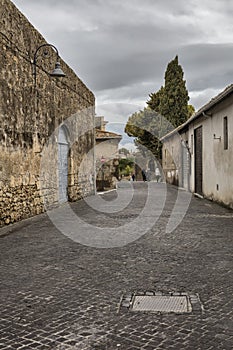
{"x": 57, "y": 72}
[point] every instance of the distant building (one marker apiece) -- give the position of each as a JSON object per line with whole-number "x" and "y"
{"x": 100, "y": 123}
{"x": 107, "y": 156}
{"x": 198, "y": 155}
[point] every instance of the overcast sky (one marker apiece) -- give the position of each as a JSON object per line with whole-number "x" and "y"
{"x": 121, "y": 48}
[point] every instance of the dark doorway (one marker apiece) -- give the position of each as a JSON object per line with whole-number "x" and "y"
{"x": 198, "y": 159}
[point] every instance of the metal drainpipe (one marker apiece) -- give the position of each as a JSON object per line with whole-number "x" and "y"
{"x": 206, "y": 115}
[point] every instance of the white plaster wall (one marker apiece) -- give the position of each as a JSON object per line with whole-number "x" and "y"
{"x": 217, "y": 162}
{"x": 171, "y": 159}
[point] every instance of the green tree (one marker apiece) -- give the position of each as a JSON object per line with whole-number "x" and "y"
{"x": 174, "y": 100}
{"x": 124, "y": 151}
{"x": 155, "y": 100}
{"x": 167, "y": 109}
{"x": 145, "y": 126}
{"x": 191, "y": 110}
{"x": 126, "y": 166}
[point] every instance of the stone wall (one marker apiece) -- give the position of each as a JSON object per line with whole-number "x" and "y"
{"x": 30, "y": 117}
{"x": 107, "y": 160}
{"x": 107, "y": 174}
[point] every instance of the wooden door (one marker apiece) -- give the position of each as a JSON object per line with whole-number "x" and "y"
{"x": 198, "y": 144}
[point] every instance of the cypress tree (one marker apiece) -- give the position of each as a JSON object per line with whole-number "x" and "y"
{"x": 167, "y": 109}
{"x": 155, "y": 100}
{"x": 174, "y": 100}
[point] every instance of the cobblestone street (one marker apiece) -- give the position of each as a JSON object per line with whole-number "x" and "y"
{"x": 58, "y": 294}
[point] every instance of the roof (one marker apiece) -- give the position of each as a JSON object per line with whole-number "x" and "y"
{"x": 203, "y": 110}
{"x": 174, "y": 131}
{"x": 105, "y": 135}
{"x": 214, "y": 101}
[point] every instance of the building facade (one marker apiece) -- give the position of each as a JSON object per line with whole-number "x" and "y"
{"x": 107, "y": 156}
{"x": 47, "y": 125}
{"x": 176, "y": 158}
{"x": 200, "y": 152}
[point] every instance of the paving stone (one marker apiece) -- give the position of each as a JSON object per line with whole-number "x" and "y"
{"x": 59, "y": 295}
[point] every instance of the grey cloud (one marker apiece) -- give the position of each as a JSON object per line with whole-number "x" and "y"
{"x": 120, "y": 49}
{"x": 200, "y": 98}
{"x": 207, "y": 65}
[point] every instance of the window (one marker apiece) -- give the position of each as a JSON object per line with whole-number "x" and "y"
{"x": 225, "y": 132}
{"x": 192, "y": 144}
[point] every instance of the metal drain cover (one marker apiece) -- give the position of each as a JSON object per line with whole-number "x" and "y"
{"x": 161, "y": 303}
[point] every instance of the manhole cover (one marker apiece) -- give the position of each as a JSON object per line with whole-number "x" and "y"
{"x": 177, "y": 302}
{"x": 164, "y": 303}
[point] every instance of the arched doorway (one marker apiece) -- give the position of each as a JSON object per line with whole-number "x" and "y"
{"x": 63, "y": 151}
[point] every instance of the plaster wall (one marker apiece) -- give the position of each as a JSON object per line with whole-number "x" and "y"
{"x": 217, "y": 161}
{"x": 171, "y": 159}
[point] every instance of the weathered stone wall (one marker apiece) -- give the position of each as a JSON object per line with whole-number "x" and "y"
{"x": 107, "y": 175}
{"x": 29, "y": 120}
{"x": 107, "y": 162}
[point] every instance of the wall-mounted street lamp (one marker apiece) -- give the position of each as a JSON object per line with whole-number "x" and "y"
{"x": 57, "y": 71}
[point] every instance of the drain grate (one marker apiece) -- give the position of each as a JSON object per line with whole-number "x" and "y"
{"x": 176, "y": 302}
{"x": 164, "y": 303}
